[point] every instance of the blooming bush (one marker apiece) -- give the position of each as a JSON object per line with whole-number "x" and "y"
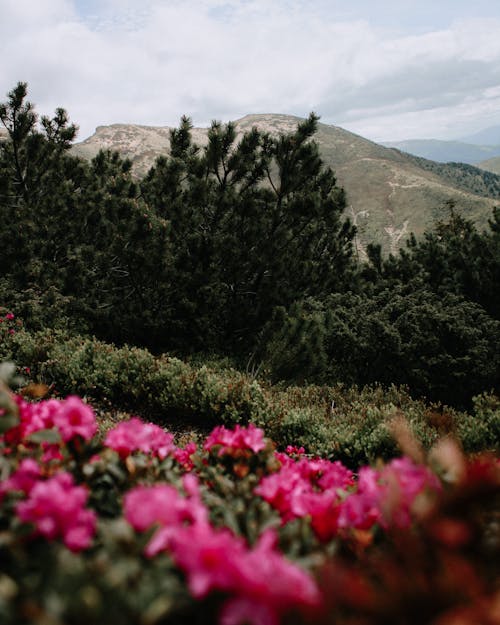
{"x": 135, "y": 529}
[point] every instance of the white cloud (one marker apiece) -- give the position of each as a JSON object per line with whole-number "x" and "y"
{"x": 122, "y": 61}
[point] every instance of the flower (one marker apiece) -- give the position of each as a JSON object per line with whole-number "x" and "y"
{"x": 184, "y": 456}
{"x": 26, "y": 476}
{"x": 239, "y": 438}
{"x": 56, "y": 508}
{"x": 135, "y": 435}
{"x": 75, "y": 418}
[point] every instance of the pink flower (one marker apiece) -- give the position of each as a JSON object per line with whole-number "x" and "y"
{"x": 403, "y": 481}
{"x": 75, "y": 418}
{"x": 163, "y": 505}
{"x": 361, "y": 509}
{"x": 210, "y": 558}
{"x": 56, "y": 508}
{"x": 135, "y": 435}
{"x": 26, "y": 476}
{"x": 40, "y": 416}
{"x": 23, "y": 480}
{"x": 9, "y": 316}
{"x": 283, "y": 490}
{"x": 184, "y": 456}
{"x": 72, "y": 417}
{"x": 251, "y": 438}
{"x": 308, "y": 488}
{"x": 270, "y": 578}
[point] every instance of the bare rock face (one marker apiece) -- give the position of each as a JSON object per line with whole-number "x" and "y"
{"x": 389, "y": 193}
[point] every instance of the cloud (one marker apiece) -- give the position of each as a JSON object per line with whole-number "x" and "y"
{"x": 121, "y": 61}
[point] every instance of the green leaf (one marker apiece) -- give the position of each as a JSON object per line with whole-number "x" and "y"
{"x": 8, "y": 421}
{"x": 45, "y": 436}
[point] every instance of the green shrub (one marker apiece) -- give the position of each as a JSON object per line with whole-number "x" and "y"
{"x": 342, "y": 422}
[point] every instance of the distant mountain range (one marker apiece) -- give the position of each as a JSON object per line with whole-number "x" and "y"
{"x": 389, "y": 193}
{"x": 481, "y": 149}
{"x": 447, "y": 151}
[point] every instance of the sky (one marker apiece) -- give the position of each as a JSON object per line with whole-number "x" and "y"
{"x": 384, "y": 69}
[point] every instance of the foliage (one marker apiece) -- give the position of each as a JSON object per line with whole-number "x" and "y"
{"x": 134, "y": 529}
{"x": 74, "y": 235}
{"x": 337, "y": 421}
{"x": 241, "y": 249}
{"x": 442, "y": 347}
{"x": 472, "y": 179}
{"x": 254, "y": 221}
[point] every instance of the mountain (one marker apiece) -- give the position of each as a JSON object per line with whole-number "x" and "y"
{"x": 487, "y": 136}
{"x": 389, "y": 193}
{"x": 491, "y": 164}
{"x": 447, "y": 151}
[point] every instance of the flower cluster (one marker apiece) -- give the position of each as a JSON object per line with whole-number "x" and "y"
{"x": 223, "y": 512}
{"x": 8, "y": 323}
{"x": 56, "y": 507}
{"x": 229, "y": 442}
{"x": 261, "y": 582}
{"x": 69, "y": 419}
{"x": 135, "y": 435}
{"x": 328, "y": 494}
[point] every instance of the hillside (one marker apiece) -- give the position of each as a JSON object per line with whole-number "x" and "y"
{"x": 491, "y": 164}
{"x": 390, "y": 194}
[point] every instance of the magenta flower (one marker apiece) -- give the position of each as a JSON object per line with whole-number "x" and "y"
{"x": 56, "y": 508}
{"x": 75, "y": 418}
{"x": 184, "y": 456}
{"x": 251, "y": 438}
{"x": 402, "y": 481}
{"x": 361, "y": 509}
{"x": 26, "y": 476}
{"x": 270, "y": 579}
{"x": 210, "y": 558}
{"x": 135, "y": 435}
{"x": 161, "y": 504}
{"x": 71, "y": 417}
{"x": 308, "y": 488}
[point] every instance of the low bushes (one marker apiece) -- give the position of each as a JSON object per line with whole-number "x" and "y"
{"x": 335, "y": 421}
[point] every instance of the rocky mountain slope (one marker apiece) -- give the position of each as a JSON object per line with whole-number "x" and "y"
{"x": 390, "y": 194}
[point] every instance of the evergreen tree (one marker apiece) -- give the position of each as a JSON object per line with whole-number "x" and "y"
{"x": 74, "y": 229}
{"x": 254, "y": 223}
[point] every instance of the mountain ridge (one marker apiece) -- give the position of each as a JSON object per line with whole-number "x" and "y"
{"x": 389, "y": 193}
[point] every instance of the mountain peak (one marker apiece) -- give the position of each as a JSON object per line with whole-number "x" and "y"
{"x": 389, "y": 193}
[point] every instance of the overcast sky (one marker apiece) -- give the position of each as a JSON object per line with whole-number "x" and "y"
{"x": 385, "y": 69}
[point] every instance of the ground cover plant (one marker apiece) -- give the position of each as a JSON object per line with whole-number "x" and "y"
{"x": 133, "y": 528}
{"x": 348, "y": 423}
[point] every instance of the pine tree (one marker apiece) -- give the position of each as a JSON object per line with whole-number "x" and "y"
{"x": 255, "y": 222}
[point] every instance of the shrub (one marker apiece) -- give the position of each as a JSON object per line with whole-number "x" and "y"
{"x": 134, "y": 529}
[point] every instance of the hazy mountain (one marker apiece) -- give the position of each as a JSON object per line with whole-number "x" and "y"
{"x": 491, "y": 164}
{"x": 389, "y": 193}
{"x": 447, "y": 151}
{"x": 488, "y": 136}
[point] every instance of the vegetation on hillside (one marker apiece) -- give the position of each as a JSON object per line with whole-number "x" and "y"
{"x": 468, "y": 177}
{"x": 240, "y": 250}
